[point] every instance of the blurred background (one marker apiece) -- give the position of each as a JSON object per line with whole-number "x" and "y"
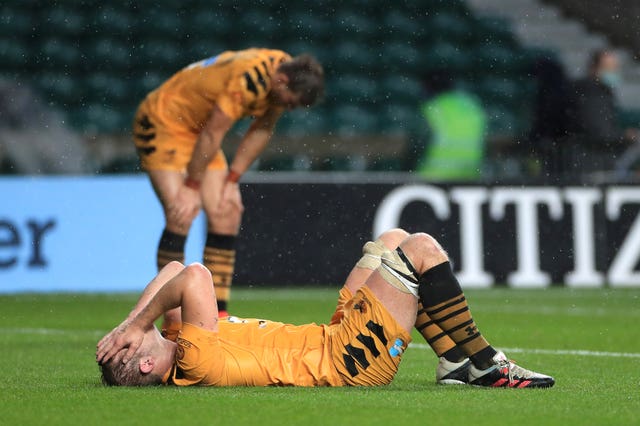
{"x": 72, "y": 73}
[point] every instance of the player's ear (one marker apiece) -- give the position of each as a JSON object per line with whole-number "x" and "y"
{"x": 146, "y": 364}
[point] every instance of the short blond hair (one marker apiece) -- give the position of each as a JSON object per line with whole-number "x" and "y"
{"x": 116, "y": 373}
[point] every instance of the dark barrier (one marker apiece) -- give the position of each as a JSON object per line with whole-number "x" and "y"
{"x": 312, "y": 233}
{"x": 56, "y": 233}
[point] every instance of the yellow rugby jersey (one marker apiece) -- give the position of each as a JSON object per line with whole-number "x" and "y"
{"x": 238, "y": 82}
{"x": 363, "y": 349}
{"x": 253, "y": 352}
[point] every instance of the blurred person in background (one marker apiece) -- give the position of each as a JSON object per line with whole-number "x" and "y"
{"x": 595, "y": 137}
{"x": 178, "y": 133}
{"x": 457, "y": 125}
{"x": 550, "y": 118}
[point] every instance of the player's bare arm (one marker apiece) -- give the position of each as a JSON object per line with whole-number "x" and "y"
{"x": 209, "y": 143}
{"x": 191, "y": 290}
{"x": 169, "y": 271}
{"x": 254, "y": 142}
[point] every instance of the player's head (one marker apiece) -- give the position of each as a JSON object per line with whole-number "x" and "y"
{"x": 133, "y": 373}
{"x": 300, "y": 82}
{"x": 147, "y": 366}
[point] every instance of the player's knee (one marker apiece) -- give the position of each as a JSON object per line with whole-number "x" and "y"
{"x": 393, "y": 237}
{"x": 174, "y": 225}
{"x": 174, "y": 267}
{"x": 225, "y": 219}
{"x": 198, "y": 274}
{"x": 422, "y": 248}
{"x": 430, "y": 245}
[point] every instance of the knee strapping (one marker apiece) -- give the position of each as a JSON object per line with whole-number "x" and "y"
{"x": 371, "y": 254}
{"x": 397, "y": 270}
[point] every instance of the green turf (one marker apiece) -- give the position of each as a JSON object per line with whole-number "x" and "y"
{"x": 49, "y": 375}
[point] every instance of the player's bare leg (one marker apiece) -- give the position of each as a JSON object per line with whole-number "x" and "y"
{"x": 223, "y": 225}
{"x": 453, "y": 364}
{"x": 172, "y": 242}
{"x": 370, "y": 260}
{"x": 422, "y": 267}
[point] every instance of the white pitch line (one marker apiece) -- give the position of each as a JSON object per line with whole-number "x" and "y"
{"x": 575, "y": 352}
{"x": 51, "y": 331}
{"x": 547, "y": 310}
{"x": 571, "y": 352}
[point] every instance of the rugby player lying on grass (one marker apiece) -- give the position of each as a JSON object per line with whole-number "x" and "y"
{"x": 361, "y": 346}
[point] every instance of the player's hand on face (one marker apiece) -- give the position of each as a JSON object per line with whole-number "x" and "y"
{"x": 104, "y": 346}
{"x": 110, "y": 334}
{"x": 185, "y": 207}
{"x": 126, "y": 335}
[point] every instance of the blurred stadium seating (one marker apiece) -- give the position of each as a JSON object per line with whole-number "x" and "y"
{"x": 95, "y": 61}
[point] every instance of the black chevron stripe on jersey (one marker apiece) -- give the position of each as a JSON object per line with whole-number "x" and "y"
{"x": 369, "y": 343}
{"x": 352, "y": 356}
{"x": 251, "y": 85}
{"x": 266, "y": 69}
{"x": 261, "y": 79}
{"x": 378, "y": 330}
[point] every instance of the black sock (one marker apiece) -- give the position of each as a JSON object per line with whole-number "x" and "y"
{"x": 444, "y": 302}
{"x": 220, "y": 257}
{"x": 454, "y": 354}
{"x": 170, "y": 248}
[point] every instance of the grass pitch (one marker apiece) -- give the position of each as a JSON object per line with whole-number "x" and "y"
{"x": 588, "y": 340}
